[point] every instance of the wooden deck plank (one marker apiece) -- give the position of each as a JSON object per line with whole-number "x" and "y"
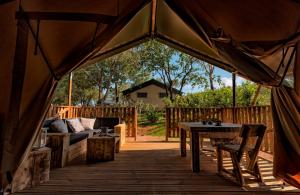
{"x": 148, "y": 168}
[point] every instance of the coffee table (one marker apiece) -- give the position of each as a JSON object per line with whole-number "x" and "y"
{"x": 102, "y": 147}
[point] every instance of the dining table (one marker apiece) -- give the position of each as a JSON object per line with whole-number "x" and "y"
{"x": 197, "y": 129}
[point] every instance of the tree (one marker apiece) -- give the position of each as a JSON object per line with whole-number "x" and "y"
{"x": 212, "y": 78}
{"x": 93, "y": 84}
{"x": 61, "y": 92}
{"x": 84, "y": 91}
{"x": 174, "y": 68}
{"x": 84, "y": 87}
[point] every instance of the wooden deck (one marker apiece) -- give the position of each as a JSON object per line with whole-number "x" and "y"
{"x": 151, "y": 168}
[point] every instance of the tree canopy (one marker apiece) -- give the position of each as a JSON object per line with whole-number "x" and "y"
{"x": 174, "y": 68}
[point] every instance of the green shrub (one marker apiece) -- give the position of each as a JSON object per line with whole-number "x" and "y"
{"x": 152, "y": 113}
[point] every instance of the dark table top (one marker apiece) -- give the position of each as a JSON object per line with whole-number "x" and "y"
{"x": 199, "y": 126}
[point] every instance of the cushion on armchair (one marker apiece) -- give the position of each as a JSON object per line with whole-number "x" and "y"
{"x": 48, "y": 121}
{"x": 88, "y": 123}
{"x": 58, "y": 126}
{"x": 75, "y": 125}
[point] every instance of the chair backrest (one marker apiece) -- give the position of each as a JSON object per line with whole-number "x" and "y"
{"x": 109, "y": 122}
{"x": 248, "y": 131}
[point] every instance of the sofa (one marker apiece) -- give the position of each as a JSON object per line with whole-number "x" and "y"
{"x": 67, "y": 137}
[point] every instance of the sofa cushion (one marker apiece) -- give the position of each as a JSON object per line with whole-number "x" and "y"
{"x": 77, "y": 137}
{"x": 58, "y": 126}
{"x": 75, "y": 125}
{"x": 88, "y": 123}
{"x": 48, "y": 122}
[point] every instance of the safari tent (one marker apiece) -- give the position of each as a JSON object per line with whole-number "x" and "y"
{"x": 43, "y": 40}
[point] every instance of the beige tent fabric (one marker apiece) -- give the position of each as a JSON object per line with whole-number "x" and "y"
{"x": 247, "y": 36}
{"x": 63, "y": 46}
{"x": 253, "y": 36}
{"x": 286, "y": 117}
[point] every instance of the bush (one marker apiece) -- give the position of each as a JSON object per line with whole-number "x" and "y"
{"x": 151, "y": 113}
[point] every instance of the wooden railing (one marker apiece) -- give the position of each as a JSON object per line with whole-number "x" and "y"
{"x": 128, "y": 114}
{"x": 253, "y": 114}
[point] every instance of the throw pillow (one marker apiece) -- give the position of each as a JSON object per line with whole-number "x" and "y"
{"x": 75, "y": 125}
{"x": 88, "y": 123}
{"x": 58, "y": 126}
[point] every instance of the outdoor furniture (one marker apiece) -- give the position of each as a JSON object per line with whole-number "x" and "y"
{"x": 102, "y": 147}
{"x": 196, "y": 129}
{"x": 34, "y": 170}
{"x": 237, "y": 151}
{"x": 67, "y": 147}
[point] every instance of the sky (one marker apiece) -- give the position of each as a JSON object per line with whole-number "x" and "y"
{"x": 226, "y": 78}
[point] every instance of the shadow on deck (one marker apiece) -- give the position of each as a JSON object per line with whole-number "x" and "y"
{"x": 151, "y": 168}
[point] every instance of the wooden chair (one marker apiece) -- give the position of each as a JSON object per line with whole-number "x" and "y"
{"x": 237, "y": 151}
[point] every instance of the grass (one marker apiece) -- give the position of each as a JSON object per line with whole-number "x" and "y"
{"x": 152, "y": 129}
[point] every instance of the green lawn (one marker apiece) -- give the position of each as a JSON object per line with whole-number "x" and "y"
{"x": 153, "y": 129}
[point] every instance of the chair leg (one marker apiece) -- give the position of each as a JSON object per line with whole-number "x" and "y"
{"x": 253, "y": 167}
{"x": 257, "y": 172}
{"x": 220, "y": 159}
{"x": 237, "y": 169}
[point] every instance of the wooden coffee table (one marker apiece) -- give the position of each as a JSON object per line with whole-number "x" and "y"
{"x": 102, "y": 147}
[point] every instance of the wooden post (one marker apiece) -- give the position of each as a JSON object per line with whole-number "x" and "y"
{"x": 233, "y": 97}
{"x": 167, "y": 117}
{"x": 135, "y": 122}
{"x": 297, "y": 70}
{"x": 18, "y": 75}
{"x": 70, "y": 93}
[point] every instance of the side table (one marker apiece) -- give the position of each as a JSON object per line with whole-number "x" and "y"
{"x": 102, "y": 148}
{"x": 34, "y": 170}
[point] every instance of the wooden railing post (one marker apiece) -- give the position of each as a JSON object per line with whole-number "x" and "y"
{"x": 233, "y": 97}
{"x": 135, "y": 122}
{"x": 167, "y": 117}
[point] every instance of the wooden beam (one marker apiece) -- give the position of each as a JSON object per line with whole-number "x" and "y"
{"x": 253, "y": 103}
{"x": 5, "y": 1}
{"x": 233, "y": 97}
{"x": 9, "y": 163}
{"x": 153, "y": 18}
{"x": 297, "y": 70}
{"x": 85, "y": 17}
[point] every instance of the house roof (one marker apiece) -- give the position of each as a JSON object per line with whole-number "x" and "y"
{"x": 147, "y": 83}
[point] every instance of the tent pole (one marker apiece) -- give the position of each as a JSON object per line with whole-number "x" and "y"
{"x": 233, "y": 97}
{"x": 297, "y": 70}
{"x": 70, "y": 85}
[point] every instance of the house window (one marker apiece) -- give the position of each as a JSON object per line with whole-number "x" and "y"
{"x": 162, "y": 95}
{"x": 142, "y": 95}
